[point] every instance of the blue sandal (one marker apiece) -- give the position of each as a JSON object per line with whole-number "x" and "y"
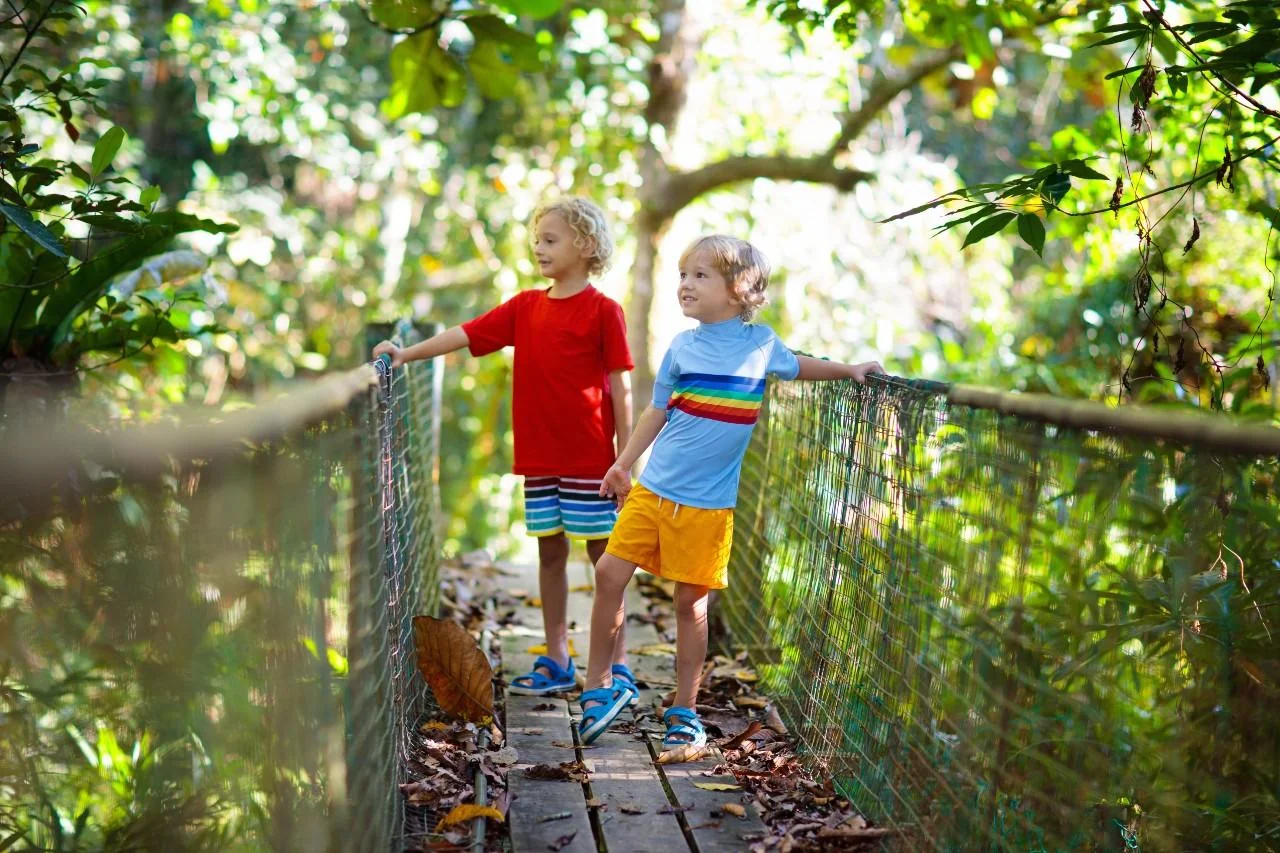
{"x": 622, "y": 673}
{"x": 596, "y": 719}
{"x": 683, "y": 729}
{"x": 561, "y": 680}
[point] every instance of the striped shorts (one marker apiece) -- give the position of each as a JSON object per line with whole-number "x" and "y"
{"x": 569, "y": 505}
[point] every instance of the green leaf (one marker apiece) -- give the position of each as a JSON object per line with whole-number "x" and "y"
{"x": 149, "y": 196}
{"x": 532, "y": 8}
{"x": 105, "y": 151}
{"x": 404, "y": 14}
{"x": 521, "y": 47}
{"x": 1031, "y": 230}
{"x": 33, "y": 229}
{"x": 1140, "y": 34}
{"x": 1056, "y": 186}
{"x": 1080, "y": 169}
{"x": 494, "y": 76}
{"x": 987, "y": 227}
{"x": 108, "y": 222}
{"x": 423, "y": 77}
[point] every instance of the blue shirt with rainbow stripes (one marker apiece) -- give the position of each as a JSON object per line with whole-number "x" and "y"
{"x": 711, "y": 384}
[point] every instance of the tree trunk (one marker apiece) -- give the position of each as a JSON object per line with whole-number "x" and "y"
{"x": 648, "y": 234}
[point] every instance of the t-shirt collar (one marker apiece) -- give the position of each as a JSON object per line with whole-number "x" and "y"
{"x": 725, "y": 328}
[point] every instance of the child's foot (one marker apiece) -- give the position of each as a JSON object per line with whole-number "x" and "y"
{"x": 600, "y": 707}
{"x": 556, "y": 679}
{"x": 684, "y": 730}
{"x": 622, "y": 673}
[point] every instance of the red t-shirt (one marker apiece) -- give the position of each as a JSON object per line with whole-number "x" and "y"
{"x": 562, "y": 409}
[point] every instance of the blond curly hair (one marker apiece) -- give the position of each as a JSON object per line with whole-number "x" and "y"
{"x": 589, "y": 226}
{"x": 743, "y": 266}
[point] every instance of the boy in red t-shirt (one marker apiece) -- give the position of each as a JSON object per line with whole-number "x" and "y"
{"x": 570, "y": 402}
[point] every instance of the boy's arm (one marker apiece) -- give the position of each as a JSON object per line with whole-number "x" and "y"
{"x": 445, "y": 342}
{"x": 620, "y": 391}
{"x": 818, "y": 369}
{"x": 617, "y": 483}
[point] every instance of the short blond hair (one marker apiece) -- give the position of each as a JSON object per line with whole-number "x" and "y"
{"x": 589, "y": 226}
{"x": 743, "y": 266}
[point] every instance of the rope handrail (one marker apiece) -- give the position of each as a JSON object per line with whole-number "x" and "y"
{"x": 33, "y": 457}
{"x": 1213, "y": 432}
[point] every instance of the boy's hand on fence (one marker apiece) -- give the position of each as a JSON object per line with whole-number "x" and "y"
{"x": 397, "y": 354}
{"x": 860, "y": 372}
{"x": 616, "y": 484}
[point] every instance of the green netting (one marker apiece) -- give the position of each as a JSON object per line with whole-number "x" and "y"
{"x": 1004, "y": 634}
{"x": 217, "y": 654}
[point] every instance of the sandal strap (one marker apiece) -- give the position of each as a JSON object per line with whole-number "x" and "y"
{"x": 621, "y": 670}
{"x": 687, "y": 731}
{"x": 683, "y": 715}
{"x": 557, "y": 671}
{"x": 606, "y": 696}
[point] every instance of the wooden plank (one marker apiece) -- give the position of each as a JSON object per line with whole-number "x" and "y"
{"x": 534, "y": 723}
{"x": 624, "y": 779}
{"x": 713, "y": 830}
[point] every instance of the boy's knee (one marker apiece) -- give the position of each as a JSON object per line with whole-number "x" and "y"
{"x": 691, "y": 600}
{"x": 612, "y": 573}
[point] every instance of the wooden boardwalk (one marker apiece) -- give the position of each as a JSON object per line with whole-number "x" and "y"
{"x": 627, "y": 803}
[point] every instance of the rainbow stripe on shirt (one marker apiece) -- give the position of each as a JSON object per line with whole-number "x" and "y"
{"x": 730, "y": 399}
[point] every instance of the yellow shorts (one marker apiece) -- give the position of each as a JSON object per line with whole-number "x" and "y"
{"x": 680, "y": 543}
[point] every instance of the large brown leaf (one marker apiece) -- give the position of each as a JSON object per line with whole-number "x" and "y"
{"x": 455, "y": 667}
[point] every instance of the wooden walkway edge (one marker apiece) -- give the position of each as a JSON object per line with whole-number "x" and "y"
{"x": 628, "y": 804}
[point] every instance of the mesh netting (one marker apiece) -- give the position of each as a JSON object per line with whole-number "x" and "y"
{"x": 217, "y": 653}
{"x": 1003, "y": 634}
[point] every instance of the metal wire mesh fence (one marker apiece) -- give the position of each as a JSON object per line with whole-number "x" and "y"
{"x": 206, "y": 629}
{"x": 1001, "y": 633}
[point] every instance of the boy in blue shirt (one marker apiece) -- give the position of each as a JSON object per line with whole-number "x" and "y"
{"x": 677, "y": 523}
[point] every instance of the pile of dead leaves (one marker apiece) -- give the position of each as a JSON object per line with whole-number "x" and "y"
{"x": 795, "y": 797}
{"x": 440, "y": 802}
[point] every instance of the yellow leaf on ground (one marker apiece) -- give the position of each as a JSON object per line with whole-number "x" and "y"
{"x": 454, "y": 666}
{"x": 582, "y": 587}
{"x": 750, "y": 701}
{"x": 716, "y": 786}
{"x": 533, "y": 602}
{"x": 434, "y": 726}
{"x": 734, "y": 809}
{"x": 466, "y": 812}
{"x": 745, "y": 675}
{"x": 541, "y": 649}
{"x": 655, "y": 649}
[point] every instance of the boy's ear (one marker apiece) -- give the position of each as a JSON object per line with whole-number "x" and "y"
{"x": 588, "y": 249}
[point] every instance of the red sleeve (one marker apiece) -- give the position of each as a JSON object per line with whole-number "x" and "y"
{"x": 617, "y": 355}
{"x": 494, "y": 329}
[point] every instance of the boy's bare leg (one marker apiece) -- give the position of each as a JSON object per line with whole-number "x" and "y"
{"x": 595, "y": 550}
{"x": 691, "y": 642}
{"x": 553, "y": 588}
{"x": 612, "y": 575}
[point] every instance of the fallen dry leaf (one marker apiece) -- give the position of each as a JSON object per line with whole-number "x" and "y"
{"x": 534, "y": 601}
{"x": 562, "y": 842}
{"x": 541, "y": 648}
{"x": 532, "y": 731}
{"x": 593, "y": 803}
{"x": 717, "y": 786}
{"x": 545, "y": 706}
{"x": 734, "y": 809}
{"x": 582, "y": 587}
{"x": 655, "y": 649}
{"x": 673, "y": 809}
{"x": 566, "y": 771}
{"x": 682, "y": 753}
{"x": 773, "y": 721}
{"x": 556, "y": 816}
{"x": 750, "y": 701}
{"x": 559, "y": 744}
{"x": 630, "y": 809}
{"x": 433, "y": 726}
{"x": 457, "y": 670}
{"x": 863, "y": 832}
{"x": 466, "y": 812}
{"x": 736, "y": 741}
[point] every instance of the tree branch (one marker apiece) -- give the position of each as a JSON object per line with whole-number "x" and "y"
{"x": 854, "y": 122}
{"x": 681, "y": 188}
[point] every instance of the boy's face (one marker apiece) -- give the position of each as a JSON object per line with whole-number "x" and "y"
{"x": 554, "y": 251}
{"x": 704, "y": 292}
